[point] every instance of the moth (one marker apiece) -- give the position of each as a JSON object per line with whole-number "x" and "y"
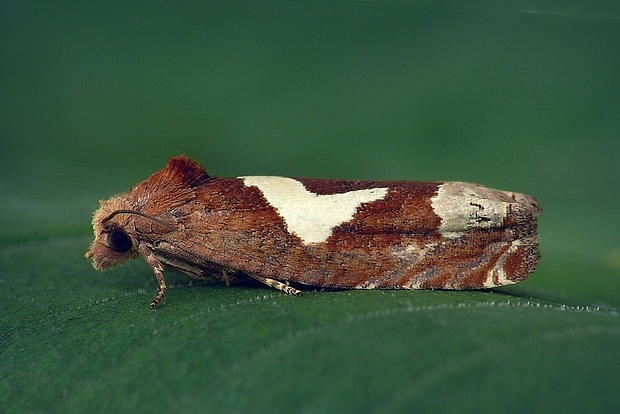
{"x": 329, "y": 233}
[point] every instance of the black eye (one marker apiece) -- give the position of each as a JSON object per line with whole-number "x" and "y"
{"x": 118, "y": 240}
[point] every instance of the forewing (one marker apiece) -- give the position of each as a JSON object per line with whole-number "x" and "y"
{"x": 409, "y": 235}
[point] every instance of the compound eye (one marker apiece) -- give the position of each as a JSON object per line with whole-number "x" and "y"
{"x": 118, "y": 240}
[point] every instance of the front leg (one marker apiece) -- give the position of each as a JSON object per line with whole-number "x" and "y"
{"x": 158, "y": 269}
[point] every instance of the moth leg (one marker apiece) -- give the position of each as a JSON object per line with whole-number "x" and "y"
{"x": 276, "y": 284}
{"x": 228, "y": 277}
{"x": 158, "y": 269}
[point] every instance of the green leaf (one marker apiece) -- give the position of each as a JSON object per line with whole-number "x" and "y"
{"x": 79, "y": 340}
{"x": 96, "y": 97}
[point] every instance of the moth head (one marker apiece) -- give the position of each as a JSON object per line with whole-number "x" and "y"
{"x": 115, "y": 238}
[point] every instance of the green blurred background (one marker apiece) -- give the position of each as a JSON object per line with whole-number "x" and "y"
{"x": 514, "y": 95}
